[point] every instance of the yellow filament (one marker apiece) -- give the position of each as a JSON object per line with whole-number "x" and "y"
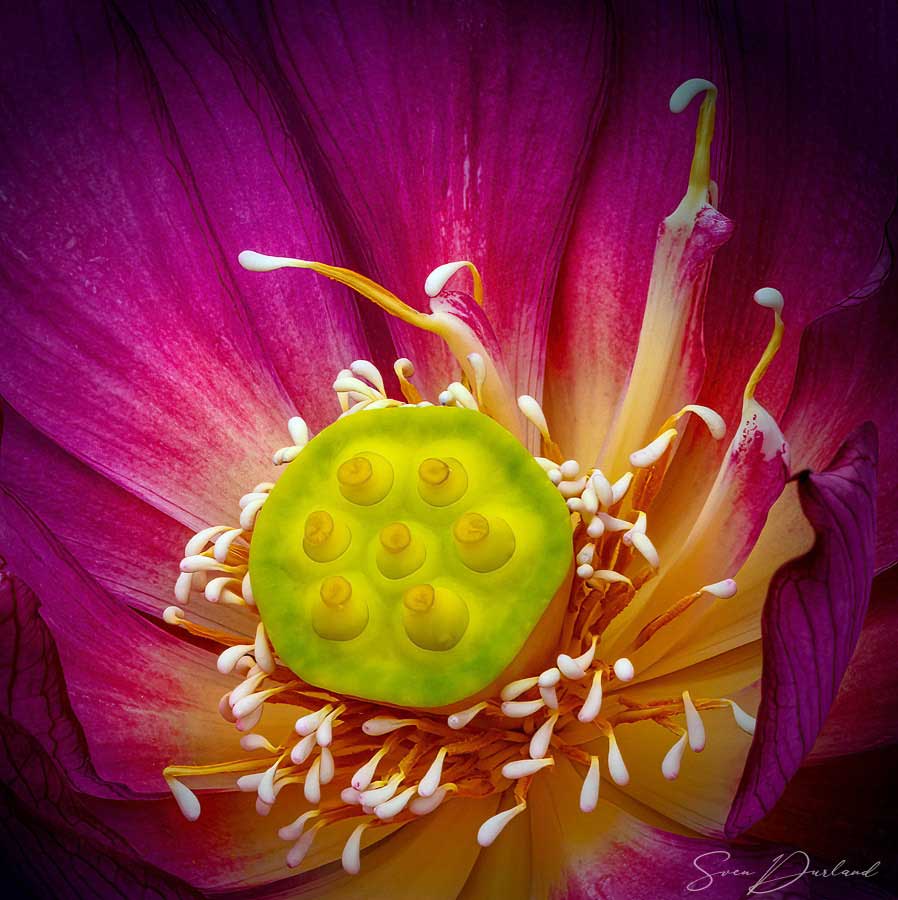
{"x": 770, "y": 351}
{"x": 700, "y": 171}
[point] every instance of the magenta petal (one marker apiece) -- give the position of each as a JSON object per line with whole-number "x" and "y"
{"x": 145, "y": 698}
{"x": 848, "y": 374}
{"x": 447, "y": 133}
{"x": 60, "y": 848}
{"x": 807, "y": 174}
{"x": 140, "y": 158}
{"x": 811, "y": 622}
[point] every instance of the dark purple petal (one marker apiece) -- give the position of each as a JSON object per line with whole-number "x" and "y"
{"x": 52, "y": 842}
{"x": 864, "y": 714}
{"x": 848, "y": 374}
{"x": 812, "y": 618}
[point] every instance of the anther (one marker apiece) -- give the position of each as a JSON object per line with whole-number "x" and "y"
{"x": 483, "y": 544}
{"x": 229, "y": 658}
{"x": 185, "y": 798}
{"x": 694, "y": 725}
{"x": 589, "y": 793}
{"x": 569, "y": 667}
{"x": 616, "y": 767}
{"x": 524, "y": 768}
{"x": 623, "y": 669}
{"x": 363, "y": 777}
{"x": 770, "y": 298}
{"x": 459, "y": 720}
{"x": 390, "y": 808}
{"x": 514, "y": 689}
{"x": 173, "y": 615}
{"x": 381, "y": 725}
{"x": 520, "y": 709}
{"x": 441, "y": 482}
{"x": 670, "y": 765}
{"x": 592, "y": 706}
{"x": 339, "y": 613}
{"x": 746, "y": 722}
{"x": 327, "y": 769}
{"x": 650, "y": 454}
{"x": 431, "y": 780}
{"x": 324, "y": 540}
{"x": 309, "y": 723}
{"x": 376, "y": 796}
{"x": 302, "y": 750}
{"x": 361, "y": 368}
{"x": 542, "y": 737}
{"x": 421, "y": 806}
{"x": 292, "y": 831}
{"x": 434, "y": 619}
{"x": 399, "y": 553}
{"x": 312, "y": 784}
{"x": 700, "y": 172}
{"x": 365, "y": 479}
{"x": 438, "y": 278}
{"x": 492, "y": 827}
{"x": 298, "y": 851}
{"x": 351, "y": 859}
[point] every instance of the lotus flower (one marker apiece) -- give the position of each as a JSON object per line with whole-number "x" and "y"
{"x": 617, "y": 653}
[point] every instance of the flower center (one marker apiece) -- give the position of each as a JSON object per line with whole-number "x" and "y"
{"x": 393, "y": 560}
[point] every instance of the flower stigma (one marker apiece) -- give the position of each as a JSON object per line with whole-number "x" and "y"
{"x": 437, "y": 612}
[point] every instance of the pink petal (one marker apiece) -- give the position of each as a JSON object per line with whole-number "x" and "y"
{"x": 444, "y": 135}
{"x": 144, "y": 162}
{"x": 144, "y": 698}
{"x": 812, "y": 619}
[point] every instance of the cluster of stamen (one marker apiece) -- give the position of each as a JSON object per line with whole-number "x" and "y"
{"x": 374, "y": 764}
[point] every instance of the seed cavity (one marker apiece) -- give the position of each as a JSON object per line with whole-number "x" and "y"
{"x": 365, "y": 479}
{"x": 483, "y": 544}
{"x": 441, "y": 482}
{"x": 400, "y": 552}
{"x": 324, "y": 539}
{"x": 338, "y": 613}
{"x": 434, "y": 618}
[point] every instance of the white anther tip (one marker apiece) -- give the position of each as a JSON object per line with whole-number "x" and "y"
{"x": 437, "y": 279}
{"x": 171, "y": 615}
{"x": 259, "y": 262}
{"x": 721, "y": 589}
{"x": 688, "y": 91}
{"x": 770, "y": 298}
{"x": 624, "y": 670}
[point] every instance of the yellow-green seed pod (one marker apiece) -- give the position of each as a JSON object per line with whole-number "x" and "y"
{"x": 412, "y": 556}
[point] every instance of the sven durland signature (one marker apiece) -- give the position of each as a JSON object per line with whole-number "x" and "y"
{"x": 784, "y": 869}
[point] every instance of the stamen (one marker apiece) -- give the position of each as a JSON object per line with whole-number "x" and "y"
{"x": 549, "y": 697}
{"x": 327, "y": 769}
{"x": 514, "y": 689}
{"x": 713, "y": 420}
{"x": 351, "y": 859}
{"x": 312, "y": 785}
{"x": 524, "y": 768}
{"x": 542, "y": 737}
{"x": 302, "y": 750}
{"x": 173, "y": 615}
{"x": 700, "y": 172}
{"x": 478, "y": 371}
{"x": 592, "y": 706}
{"x": 651, "y": 453}
{"x": 616, "y": 767}
{"x": 431, "y": 780}
{"x": 361, "y": 368}
{"x": 746, "y": 722}
{"x": 362, "y": 778}
{"x": 305, "y": 725}
{"x": 381, "y": 725}
{"x": 621, "y": 486}
{"x": 376, "y": 796}
{"x": 534, "y": 414}
{"x": 520, "y": 709}
{"x": 439, "y": 277}
{"x": 251, "y": 742}
{"x": 670, "y": 765}
{"x": 404, "y": 371}
{"x": 262, "y": 650}
{"x": 459, "y": 720}
{"x": 549, "y": 678}
{"x": 462, "y": 396}
{"x": 421, "y": 806}
{"x": 228, "y": 659}
{"x": 492, "y": 827}
{"x": 569, "y": 667}
{"x": 770, "y": 298}
{"x": 623, "y": 669}
{"x": 299, "y": 850}
{"x": 185, "y": 798}
{"x": 293, "y": 831}
{"x": 396, "y": 805}
{"x": 694, "y": 725}
{"x": 589, "y": 793}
